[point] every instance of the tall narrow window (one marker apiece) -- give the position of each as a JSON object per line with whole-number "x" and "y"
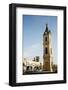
{"x": 45, "y": 38}
{"x": 46, "y": 50}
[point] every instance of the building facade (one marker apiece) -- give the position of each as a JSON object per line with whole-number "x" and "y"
{"x": 32, "y": 65}
{"x": 47, "y": 50}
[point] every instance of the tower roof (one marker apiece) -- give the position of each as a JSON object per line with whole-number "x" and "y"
{"x": 46, "y": 30}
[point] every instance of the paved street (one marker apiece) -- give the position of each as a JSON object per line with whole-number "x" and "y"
{"x": 41, "y": 72}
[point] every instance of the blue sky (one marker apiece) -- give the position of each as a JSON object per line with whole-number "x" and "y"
{"x": 34, "y": 27}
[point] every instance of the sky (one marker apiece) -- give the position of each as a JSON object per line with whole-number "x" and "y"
{"x": 34, "y": 27}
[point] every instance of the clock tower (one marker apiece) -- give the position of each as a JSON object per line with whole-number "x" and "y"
{"x": 47, "y": 50}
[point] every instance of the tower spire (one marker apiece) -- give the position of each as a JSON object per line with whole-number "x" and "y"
{"x": 46, "y": 28}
